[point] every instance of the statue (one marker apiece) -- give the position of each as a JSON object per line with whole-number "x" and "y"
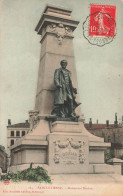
{"x": 65, "y": 93}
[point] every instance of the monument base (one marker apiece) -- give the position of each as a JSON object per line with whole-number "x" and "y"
{"x": 68, "y": 153}
{"x": 73, "y": 150}
{"x": 65, "y": 147}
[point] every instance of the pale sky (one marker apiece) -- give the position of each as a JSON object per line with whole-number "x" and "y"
{"x": 99, "y": 69}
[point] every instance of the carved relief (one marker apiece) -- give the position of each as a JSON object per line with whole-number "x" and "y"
{"x": 33, "y": 119}
{"x": 56, "y": 156}
{"x": 51, "y": 28}
{"x": 82, "y": 153}
{"x": 69, "y": 151}
{"x": 60, "y": 31}
{"x": 68, "y": 31}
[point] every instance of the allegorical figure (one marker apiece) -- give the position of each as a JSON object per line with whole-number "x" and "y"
{"x": 65, "y": 93}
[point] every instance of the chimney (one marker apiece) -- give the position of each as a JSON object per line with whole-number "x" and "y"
{"x": 115, "y": 122}
{"x": 9, "y": 122}
{"x": 26, "y": 121}
{"x": 97, "y": 121}
{"x": 107, "y": 124}
{"x": 90, "y": 123}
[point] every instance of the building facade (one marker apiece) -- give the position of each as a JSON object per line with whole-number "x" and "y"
{"x": 15, "y": 132}
{"x": 3, "y": 159}
{"x": 111, "y": 133}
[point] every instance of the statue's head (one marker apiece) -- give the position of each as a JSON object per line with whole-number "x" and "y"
{"x": 63, "y": 64}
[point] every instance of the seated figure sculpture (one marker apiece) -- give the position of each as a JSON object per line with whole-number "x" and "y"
{"x": 65, "y": 93}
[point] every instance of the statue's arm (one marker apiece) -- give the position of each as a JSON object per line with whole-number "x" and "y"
{"x": 74, "y": 89}
{"x": 56, "y": 78}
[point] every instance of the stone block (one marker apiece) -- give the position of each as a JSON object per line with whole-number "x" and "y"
{"x": 68, "y": 154}
{"x": 66, "y": 127}
{"x": 101, "y": 169}
{"x": 21, "y": 167}
{"x": 96, "y": 156}
{"x": 36, "y": 156}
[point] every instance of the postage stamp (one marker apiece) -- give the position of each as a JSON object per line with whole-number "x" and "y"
{"x": 99, "y": 28}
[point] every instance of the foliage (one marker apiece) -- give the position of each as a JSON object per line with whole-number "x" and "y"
{"x": 108, "y": 155}
{"x": 121, "y": 157}
{"x": 31, "y": 174}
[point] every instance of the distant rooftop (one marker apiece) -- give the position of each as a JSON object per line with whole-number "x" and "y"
{"x": 20, "y": 125}
{"x": 101, "y": 126}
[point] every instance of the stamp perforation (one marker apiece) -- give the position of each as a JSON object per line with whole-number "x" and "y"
{"x": 100, "y": 24}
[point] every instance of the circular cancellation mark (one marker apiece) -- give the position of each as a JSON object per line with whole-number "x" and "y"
{"x": 99, "y": 28}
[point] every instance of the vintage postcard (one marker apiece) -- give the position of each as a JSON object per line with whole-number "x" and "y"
{"x": 61, "y": 116}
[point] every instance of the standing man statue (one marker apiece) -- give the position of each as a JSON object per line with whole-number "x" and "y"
{"x": 65, "y": 93}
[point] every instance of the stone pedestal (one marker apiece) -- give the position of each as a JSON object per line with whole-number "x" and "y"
{"x": 117, "y": 165}
{"x": 65, "y": 147}
{"x": 72, "y": 149}
{"x": 68, "y": 153}
{"x": 66, "y": 127}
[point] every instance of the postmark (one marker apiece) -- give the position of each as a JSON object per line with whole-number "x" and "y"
{"x": 99, "y": 28}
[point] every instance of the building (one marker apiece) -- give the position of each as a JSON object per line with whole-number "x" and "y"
{"x": 14, "y": 132}
{"x": 3, "y": 159}
{"x": 112, "y": 133}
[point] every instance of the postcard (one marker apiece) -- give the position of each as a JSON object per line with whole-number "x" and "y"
{"x": 61, "y": 114}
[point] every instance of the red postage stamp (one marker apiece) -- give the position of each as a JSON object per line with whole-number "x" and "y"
{"x": 102, "y": 20}
{"x": 99, "y": 28}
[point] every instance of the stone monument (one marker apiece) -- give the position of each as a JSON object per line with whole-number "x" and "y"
{"x": 58, "y": 139}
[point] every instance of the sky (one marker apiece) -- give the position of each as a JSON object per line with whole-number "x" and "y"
{"x": 99, "y": 69}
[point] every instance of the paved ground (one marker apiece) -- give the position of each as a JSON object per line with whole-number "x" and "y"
{"x": 86, "y": 178}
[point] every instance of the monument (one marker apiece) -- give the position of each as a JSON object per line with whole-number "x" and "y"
{"x": 58, "y": 139}
{"x": 65, "y": 94}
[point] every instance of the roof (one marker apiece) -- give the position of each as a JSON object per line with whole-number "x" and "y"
{"x": 117, "y": 145}
{"x": 19, "y": 125}
{"x": 100, "y": 126}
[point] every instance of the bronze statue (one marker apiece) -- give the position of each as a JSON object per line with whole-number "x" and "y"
{"x": 65, "y": 93}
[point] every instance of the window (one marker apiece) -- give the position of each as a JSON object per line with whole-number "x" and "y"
{"x": 17, "y": 133}
{"x": 12, "y": 133}
{"x": 12, "y": 142}
{"x": 23, "y": 133}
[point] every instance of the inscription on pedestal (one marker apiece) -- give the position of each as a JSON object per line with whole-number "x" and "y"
{"x": 69, "y": 151}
